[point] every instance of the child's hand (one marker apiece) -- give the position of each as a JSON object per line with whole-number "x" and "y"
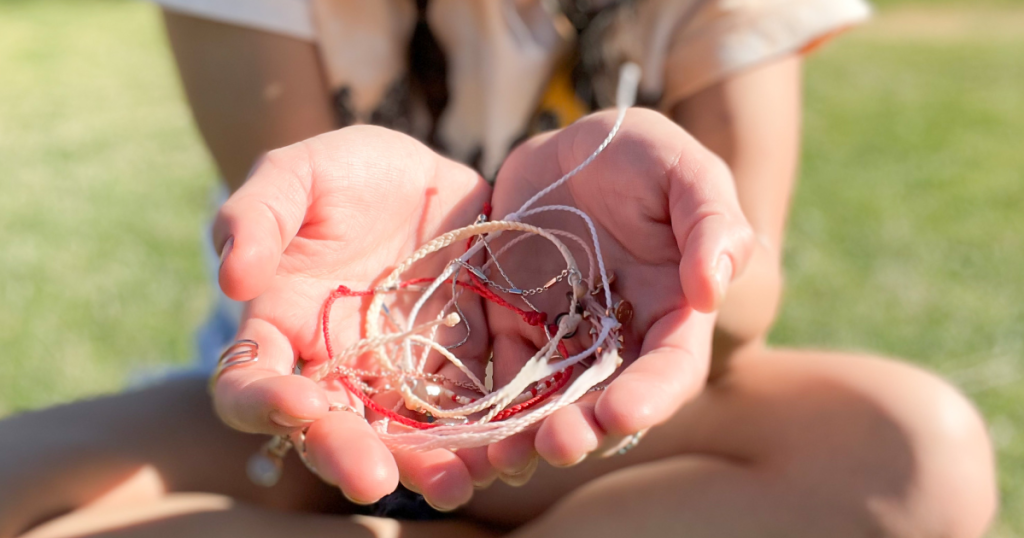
{"x": 671, "y": 231}
{"x": 339, "y": 208}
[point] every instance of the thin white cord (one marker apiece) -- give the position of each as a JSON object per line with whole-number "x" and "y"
{"x": 540, "y": 370}
{"x": 625, "y": 97}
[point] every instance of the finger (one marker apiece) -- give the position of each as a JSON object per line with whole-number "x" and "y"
{"x": 714, "y": 238}
{"x": 569, "y": 434}
{"x": 671, "y": 370}
{"x": 263, "y": 396}
{"x": 712, "y": 235}
{"x": 439, "y": 475}
{"x": 714, "y": 252}
{"x": 480, "y": 469}
{"x": 256, "y": 224}
{"x": 514, "y": 458}
{"x": 346, "y": 452}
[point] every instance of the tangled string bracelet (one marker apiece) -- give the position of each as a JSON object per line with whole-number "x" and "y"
{"x": 438, "y": 411}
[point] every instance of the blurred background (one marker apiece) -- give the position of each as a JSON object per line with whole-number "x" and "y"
{"x": 907, "y": 236}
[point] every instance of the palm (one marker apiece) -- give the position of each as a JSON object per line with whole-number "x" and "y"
{"x": 363, "y": 222}
{"x": 664, "y": 216}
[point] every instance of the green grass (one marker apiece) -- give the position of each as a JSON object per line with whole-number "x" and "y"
{"x": 103, "y": 191}
{"x": 926, "y": 4}
{"x": 907, "y": 236}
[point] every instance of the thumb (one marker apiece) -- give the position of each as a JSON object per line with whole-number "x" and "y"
{"x": 671, "y": 370}
{"x": 256, "y": 224}
{"x": 713, "y": 236}
{"x": 714, "y": 252}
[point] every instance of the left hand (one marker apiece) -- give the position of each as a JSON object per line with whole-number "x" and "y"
{"x": 672, "y": 232}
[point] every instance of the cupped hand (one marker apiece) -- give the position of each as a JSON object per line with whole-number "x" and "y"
{"x": 671, "y": 231}
{"x": 341, "y": 208}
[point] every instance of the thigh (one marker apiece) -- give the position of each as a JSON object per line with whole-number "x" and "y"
{"x": 250, "y": 91}
{"x": 204, "y": 515}
{"x": 846, "y": 437}
{"x": 136, "y": 446}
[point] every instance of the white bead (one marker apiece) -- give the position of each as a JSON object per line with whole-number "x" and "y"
{"x": 263, "y": 470}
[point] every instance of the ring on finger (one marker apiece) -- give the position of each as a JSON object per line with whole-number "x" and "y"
{"x": 238, "y": 353}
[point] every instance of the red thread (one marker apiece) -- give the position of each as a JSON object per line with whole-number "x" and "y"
{"x": 536, "y": 319}
{"x": 344, "y": 291}
{"x": 560, "y": 378}
{"x": 371, "y": 404}
{"x": 562, "y": 349}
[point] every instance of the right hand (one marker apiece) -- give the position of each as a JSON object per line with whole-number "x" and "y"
{"x": 339, "y": 208}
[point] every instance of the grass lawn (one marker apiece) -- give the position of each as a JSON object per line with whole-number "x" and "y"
{"x": 104, "y": 187}
{"x": 907, "y": 236}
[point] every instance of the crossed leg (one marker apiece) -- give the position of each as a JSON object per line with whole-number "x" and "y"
{"x": 789, "y": 443}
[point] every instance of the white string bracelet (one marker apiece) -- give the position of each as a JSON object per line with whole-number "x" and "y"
{"x": 435, "y": 411}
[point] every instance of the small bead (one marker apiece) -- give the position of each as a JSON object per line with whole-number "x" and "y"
{"x": 623, "y": 311}
{"x": 558, "y": 320}
{"x": 263, "y": 470}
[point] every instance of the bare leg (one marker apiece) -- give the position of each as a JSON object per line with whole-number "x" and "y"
{"x": 131, "y": 464}
{"x": 158, "y": 440}
{"x": 790, "y": 443}
{"x": 198, "y": 515}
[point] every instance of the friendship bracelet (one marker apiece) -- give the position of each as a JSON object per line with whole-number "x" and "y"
{"x": 435, "y": 411}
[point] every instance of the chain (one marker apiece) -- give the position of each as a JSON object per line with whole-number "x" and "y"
{"x": 359, "y": 375}
{"x": 514, "y": 291}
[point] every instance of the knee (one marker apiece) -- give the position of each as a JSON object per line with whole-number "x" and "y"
{"x": 884, "y": 446}
{"x": 920, "y": 449}
{"x": 955, "y": 491}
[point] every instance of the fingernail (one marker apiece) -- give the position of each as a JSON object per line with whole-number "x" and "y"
{"x": 226, "y": 249}
{"x": 408, "y": 485}
{"x": 288, "y": 421}
{"x": 522, "y": 477}
{"x": 353, "y": 501}
{"x": 484, "y": 484}
{"x": 723, "y": 275}
{"x": 438, "y": 508}
{"x": 573, "y": 464}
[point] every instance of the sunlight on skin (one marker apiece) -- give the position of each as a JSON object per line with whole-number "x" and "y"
{"x": 94, "y": 520}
